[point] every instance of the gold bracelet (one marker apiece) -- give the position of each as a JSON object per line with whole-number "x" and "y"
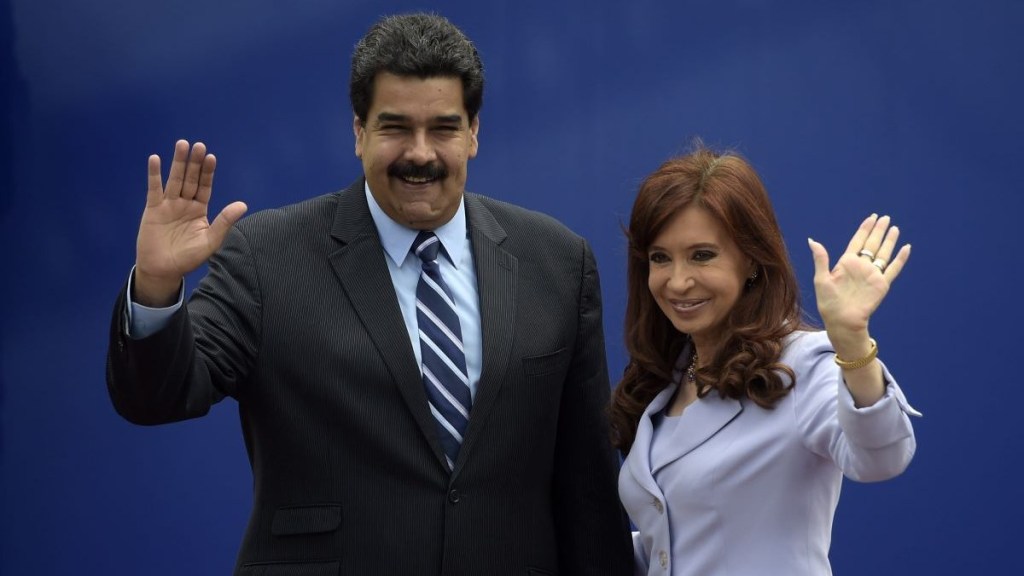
{"x": 871, "y": 355}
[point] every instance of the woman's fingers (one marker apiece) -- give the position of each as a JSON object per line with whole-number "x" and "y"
{"x": 820, "y": 256}
{"x": 896, "y": 266}
{"x": 887, "y": 246}
{"x": 860, "y": 237}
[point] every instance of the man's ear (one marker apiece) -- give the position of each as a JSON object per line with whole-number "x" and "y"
{"x": 474, "y": 129}
{"x": 359, "y": 130}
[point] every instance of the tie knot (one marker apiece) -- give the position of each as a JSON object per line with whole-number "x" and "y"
{"x": 426, "y": 246}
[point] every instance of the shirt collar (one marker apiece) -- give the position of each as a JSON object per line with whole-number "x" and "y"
{"x": 397, "y": 239}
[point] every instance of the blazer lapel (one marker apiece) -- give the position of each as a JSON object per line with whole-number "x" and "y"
{"x": 698, "y": 423}
{"x": 639, "y": 459}
{"x": 363, "y": 273}
{"x": 496, "y": 285}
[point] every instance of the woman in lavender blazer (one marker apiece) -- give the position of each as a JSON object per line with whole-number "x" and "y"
{"x": 739, "y": 421}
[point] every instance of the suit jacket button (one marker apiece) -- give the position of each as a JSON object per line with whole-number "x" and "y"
{"x": 663, "y": 559}
{"x": 454, "y": 496}
{"x": 658, "y": 506}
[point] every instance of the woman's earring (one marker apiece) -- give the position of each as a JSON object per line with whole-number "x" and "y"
{"x": 750, "y": 281}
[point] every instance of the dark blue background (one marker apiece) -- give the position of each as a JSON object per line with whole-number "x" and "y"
{"x": 910, "y": 108}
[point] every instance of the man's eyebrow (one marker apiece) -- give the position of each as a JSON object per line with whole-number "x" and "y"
{"x": 449, "y": 119}
{"x": 391, "y": 117}
{"x": 442, "y": 119}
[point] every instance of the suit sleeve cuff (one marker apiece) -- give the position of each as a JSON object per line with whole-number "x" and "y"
{"x": 142, "y": 321}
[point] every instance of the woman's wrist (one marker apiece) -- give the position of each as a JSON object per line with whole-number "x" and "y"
{"x": 855, "y": 362}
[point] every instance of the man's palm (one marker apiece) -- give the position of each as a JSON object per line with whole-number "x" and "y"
{"x": 175, "y": 236}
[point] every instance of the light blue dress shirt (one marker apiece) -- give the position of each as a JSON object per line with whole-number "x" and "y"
{"x": 457, "y": 268}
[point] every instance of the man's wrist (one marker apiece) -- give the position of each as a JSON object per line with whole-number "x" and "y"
{"x": 154, "y": 292}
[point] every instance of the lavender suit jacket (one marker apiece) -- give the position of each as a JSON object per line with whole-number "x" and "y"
{"x": 748, "y": 491}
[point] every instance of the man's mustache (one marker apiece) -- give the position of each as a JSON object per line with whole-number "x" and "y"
{"x": 431, "y": 171}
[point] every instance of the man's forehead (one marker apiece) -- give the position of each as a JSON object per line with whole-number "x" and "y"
{"x": 404, "y": 94}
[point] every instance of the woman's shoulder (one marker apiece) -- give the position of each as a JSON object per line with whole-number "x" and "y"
{"x": 805, "y": 347}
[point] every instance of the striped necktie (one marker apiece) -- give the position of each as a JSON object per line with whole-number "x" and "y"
{"x": 444, "y": 361}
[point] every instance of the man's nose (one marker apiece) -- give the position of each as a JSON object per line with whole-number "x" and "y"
{"x": 420, "y": 150}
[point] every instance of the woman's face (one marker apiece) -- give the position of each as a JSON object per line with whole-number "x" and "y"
{"x": 697, "y": 274}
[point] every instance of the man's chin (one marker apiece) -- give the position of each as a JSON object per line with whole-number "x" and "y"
{"x": 423, "y": 216}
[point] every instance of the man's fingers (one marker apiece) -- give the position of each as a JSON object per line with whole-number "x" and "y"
{"x": 224, "y": 221}
{"x": 193, "y": 171}
{"x": 177, "y": 173}
{"x": 155, "y": 189}
{"x": 205, "y": 189}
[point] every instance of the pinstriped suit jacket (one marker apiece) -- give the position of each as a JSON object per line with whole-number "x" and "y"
{"x": 297, "y": 319}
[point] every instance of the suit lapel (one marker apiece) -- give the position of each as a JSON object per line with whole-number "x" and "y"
{"x": 496, "y": 285}
{"x": 363, "y": 273}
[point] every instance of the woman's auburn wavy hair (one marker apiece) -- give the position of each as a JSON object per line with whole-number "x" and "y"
{"x": 747, "y": 362}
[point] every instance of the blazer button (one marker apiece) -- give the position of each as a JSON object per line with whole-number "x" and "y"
{"x": 454, "y": 496}
{"x": 658, "y": 506}
{"x": 663, "y": 558}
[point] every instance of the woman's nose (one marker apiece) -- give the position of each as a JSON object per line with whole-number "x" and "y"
{"x": 681, "y": 278}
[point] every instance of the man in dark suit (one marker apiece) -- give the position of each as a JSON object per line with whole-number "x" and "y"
{"x": 419, "y": 370}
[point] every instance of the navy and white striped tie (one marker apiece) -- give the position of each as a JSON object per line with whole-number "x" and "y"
{"x": 444, "y": 361}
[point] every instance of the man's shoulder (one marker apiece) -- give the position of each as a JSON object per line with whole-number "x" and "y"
{"x": 309, "y": 215}
{"x": 517, "y": 220}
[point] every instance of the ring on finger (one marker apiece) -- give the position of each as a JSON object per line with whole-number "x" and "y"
{"x": 867, "y": 253}
{"x": 880, "y": 264}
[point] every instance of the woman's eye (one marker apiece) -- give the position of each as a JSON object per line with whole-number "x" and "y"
{"x": 658, "y": 258}
{"x": 703, "y": 255}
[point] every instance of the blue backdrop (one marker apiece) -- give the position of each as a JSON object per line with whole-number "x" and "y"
{"x": 910, "y": 108}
